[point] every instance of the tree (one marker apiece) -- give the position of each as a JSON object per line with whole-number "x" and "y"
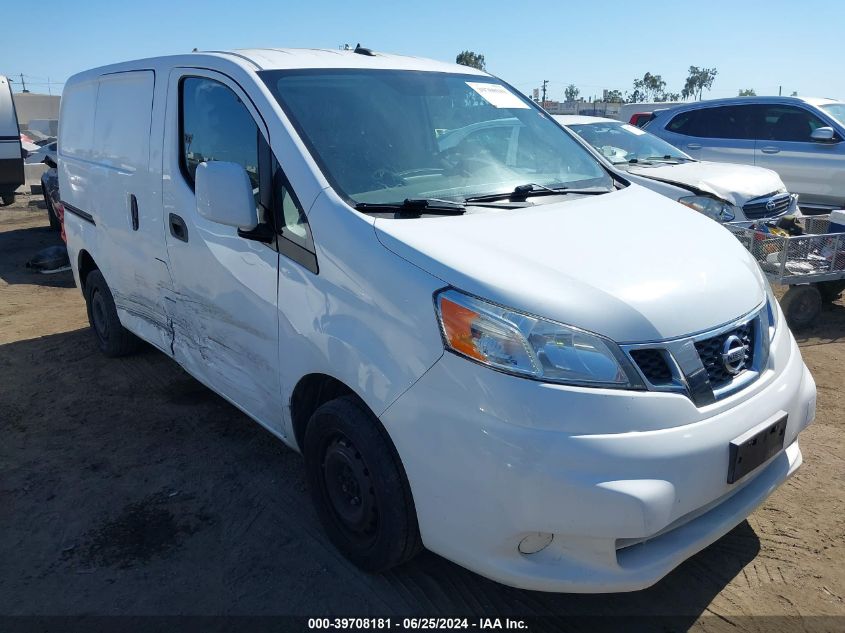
{"x": 794, "y": 93}
{"x": 571, "y": 93}
{"x": 614, "y": 96}
{"x": 697, "y": 81}
{"x": 472, "y": 59}
{"x": 649, "y": 88}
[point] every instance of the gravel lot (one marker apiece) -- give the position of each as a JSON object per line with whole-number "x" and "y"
{"x": 126, "y": 487}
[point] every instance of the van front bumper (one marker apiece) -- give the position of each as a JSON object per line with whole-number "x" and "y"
{"x": 626, "y": 484}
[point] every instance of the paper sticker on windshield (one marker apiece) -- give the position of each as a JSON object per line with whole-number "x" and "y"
{"x": 497, "y": 95}
{"x": 633, "y": 129}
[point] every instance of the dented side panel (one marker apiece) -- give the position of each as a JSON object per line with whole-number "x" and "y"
{"x": 222, "y": 305}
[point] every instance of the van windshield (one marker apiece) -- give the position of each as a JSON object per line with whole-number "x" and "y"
{"x": 384, "y": 136}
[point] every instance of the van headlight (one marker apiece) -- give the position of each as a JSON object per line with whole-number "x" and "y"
{"x": 713, "y": 208}
{"x": 529, "y": 346}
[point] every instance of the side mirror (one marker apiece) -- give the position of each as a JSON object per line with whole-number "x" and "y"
{"x": 823, "y": 134}
{"x": 224, "y": 195}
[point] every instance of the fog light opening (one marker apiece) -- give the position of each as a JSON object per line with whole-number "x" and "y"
{"x": 535, "y": 542}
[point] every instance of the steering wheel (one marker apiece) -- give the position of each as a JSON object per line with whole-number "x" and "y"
{"x": 455, "y": 161}
{"x": 388, "y": 178}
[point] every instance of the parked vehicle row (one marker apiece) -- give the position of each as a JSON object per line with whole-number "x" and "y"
{"x": 799, "y": 138}
{"x": 52, "y": 198}
{"x": 483, "y": 338}
{"x": 725, "y": 193}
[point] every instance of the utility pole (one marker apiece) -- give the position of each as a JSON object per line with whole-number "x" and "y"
{"x": 779, "y": 90}
{"x": 48, "y": 87}
{"x": 23, "y": 83}
{"x": 545, "y": 83}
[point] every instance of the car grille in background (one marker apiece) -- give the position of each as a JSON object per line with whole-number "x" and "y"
{"x": 652, "y": 362}
{"x": 759, "y": 208}
{"x": 710, "y": 352}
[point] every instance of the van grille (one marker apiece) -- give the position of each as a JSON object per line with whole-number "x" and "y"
{"x": 710, "y": 352}
{"x": 707, "y": 366}
{"x": 760, "y": 208}
{"x": 652, "y": 362}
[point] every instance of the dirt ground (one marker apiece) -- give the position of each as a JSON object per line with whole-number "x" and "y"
{"x": 126, "y": 487}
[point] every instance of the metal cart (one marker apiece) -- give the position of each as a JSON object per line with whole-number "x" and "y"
{"x": 812, "y": 265}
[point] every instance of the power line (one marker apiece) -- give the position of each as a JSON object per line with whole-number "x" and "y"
{"x": 27, "y": 81}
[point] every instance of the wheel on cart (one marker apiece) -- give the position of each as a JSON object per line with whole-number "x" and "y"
{"x": 831, "y": 290}
{"x": 801, "y": 305}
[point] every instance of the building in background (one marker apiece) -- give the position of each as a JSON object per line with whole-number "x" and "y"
{"x": 581, "y": 106}
{"x": 40, "y": 110}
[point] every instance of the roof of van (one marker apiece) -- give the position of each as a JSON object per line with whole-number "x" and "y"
{"x": 257, "y": 59}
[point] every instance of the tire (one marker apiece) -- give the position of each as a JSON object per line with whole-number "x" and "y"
{"x": 831, "y": 290}
{"x": 358, "y": 486}
{"x": 112, "y": 338}
{"x": 51, "y": 215}
{"x": 801, "y": 305}
{"x": 6, "y": 199}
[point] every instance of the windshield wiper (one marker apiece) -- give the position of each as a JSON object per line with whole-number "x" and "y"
{"x": 430, "y": 206}
{"x": 522, "y": 192}
{"x": 680, "y": 159}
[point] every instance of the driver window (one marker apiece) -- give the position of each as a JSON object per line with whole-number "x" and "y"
{"x": 216, "y": 126}
{"x": 787, "y": 123}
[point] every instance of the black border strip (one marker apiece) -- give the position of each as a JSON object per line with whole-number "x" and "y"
{"x": 79, "y": 213}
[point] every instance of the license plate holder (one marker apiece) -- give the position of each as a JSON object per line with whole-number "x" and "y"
{"x": 755, "y": 447}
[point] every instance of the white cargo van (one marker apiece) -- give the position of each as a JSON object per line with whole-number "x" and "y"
{"x": 11, "y": 156}
{"x": 480, "y": 346}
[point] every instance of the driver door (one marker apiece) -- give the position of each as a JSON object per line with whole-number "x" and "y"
{"x": 224, "y": 304}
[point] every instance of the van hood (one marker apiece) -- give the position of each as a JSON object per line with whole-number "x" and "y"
{"x": 631, "y": 265}
{"x": 736, "y": 184}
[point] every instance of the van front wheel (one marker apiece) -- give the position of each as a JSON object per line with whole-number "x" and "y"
{"x": 112, "y": 338}
{"x": 359, "y": 487}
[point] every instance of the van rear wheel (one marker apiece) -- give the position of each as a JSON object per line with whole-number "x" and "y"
{"x": 112, "y": 338}
{"x": 359, "y": 487}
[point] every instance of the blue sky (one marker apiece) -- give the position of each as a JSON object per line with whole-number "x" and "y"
{"x": 595, "y": 45}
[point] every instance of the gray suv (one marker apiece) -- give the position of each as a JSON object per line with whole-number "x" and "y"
{"x": 799, "y": 138}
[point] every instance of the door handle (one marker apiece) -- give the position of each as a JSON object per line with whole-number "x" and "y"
{"x": 693, "y": 145}
{"x": 178, "y": 228}
{"x": 133, "y": 211}
{"x": 770, "y": 149}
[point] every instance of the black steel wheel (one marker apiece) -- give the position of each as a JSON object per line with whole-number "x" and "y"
{"x": 350, "y": 490}
{"x": 112, "y": 338}
{"x": 358, "y": 486}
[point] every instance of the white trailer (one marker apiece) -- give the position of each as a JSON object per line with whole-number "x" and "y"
{"x": 11, "y": 155}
